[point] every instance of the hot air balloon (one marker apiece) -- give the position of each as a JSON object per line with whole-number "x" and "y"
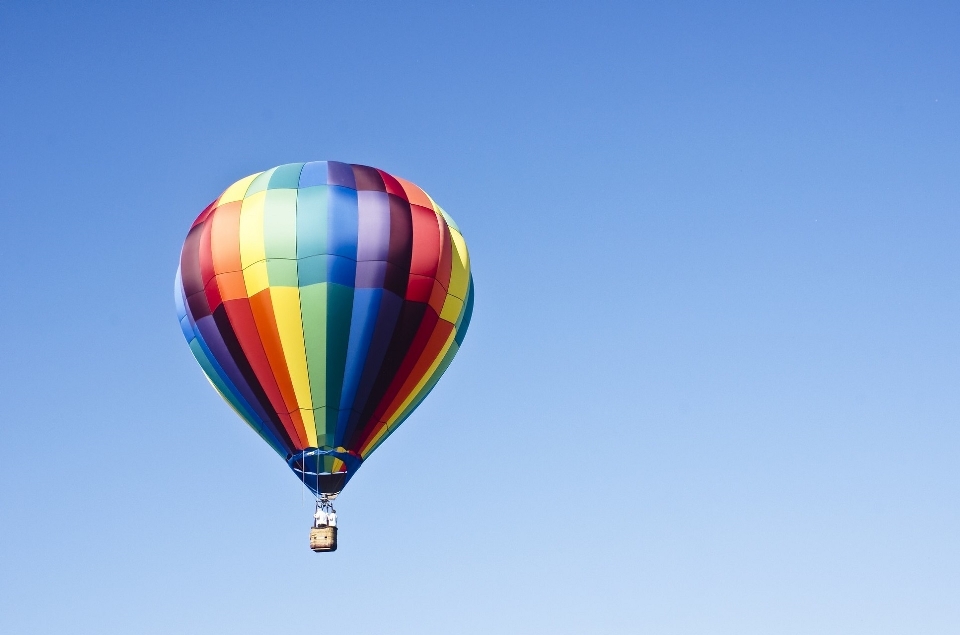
{"x": 323, "y": 301}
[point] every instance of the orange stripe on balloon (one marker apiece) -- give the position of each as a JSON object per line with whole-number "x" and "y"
{"x": 241, "y": 317}
{"x": 262, "y": 307}
{"x": 414, "y": 194}
{"x": 225, "y": 238}
{"x": 232, "y": 285}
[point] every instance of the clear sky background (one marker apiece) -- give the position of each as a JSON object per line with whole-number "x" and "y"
{"x": 710, "y": 386}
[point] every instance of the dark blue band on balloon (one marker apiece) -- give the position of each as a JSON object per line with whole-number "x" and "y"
{"x": 307, "y": 465}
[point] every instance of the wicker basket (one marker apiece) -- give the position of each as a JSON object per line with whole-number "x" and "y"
{"x": 323, "y": 539}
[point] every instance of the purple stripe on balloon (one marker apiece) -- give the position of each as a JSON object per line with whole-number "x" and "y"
{"x": 370, "y": 274}
{"x": 368, "y": 178}
{"x": 401, "y": 232}
{"x": 373, "y": 235}
{"x": 340, "y": 174}
{"x": 395, "y": 279}
{"x": 197, "y": 305}
{"x": 208, "y": 330}
{"x": 190, "y": 262}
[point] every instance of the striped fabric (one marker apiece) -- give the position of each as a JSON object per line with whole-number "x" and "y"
{"x": 323, "y": 301}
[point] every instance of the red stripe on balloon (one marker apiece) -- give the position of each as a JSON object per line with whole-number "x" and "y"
{"x": 203, "y": 215}
{"x": 205, "y": 258}
{"x": 406, "y": 380}
{"x": 393, "y": 185}
{"x": 427, "y": 242}
{"x": 244, "y": 326}
{"x": 446, "y": 254}
{"x": 420, "y": 340}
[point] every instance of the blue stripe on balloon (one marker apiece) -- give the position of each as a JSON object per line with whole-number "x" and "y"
{"x": 313, "y": 173}
{"x": 342, "y": 218}
{"x": 387, "y": 317}
{"x": 366, "y": 305}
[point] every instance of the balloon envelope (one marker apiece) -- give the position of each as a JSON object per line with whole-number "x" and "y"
{"x": 323, "y": 301}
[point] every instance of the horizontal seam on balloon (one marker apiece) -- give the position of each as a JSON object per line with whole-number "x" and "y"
{"x": 304, "y": 187}
{"x": 420, "y": 275}
{"x": 299, "y": 258}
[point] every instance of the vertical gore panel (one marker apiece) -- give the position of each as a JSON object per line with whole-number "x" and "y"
{"x": 205, "y": 257}
{"x": 342, "y": 222}
{"x": 225, "y": 238}
{"x": 261, "y": 305}
{"x": 460, "y": 266}
{"x": 212, "y": 291}
{"x": 392, "y": 185}
{"x": 366, "y": 305}
{"x": 341, "y": 174}
{"x": 230, "y": 339}
{"x": 280, "y": 224}
{"x": 446, "y": 255}
{"x": 190, "y": 262}
{"x": 339, "y": 313}
{"x": 387, "y": 318}
{"x": 286, "y": 311}
{"x": 420, "y": 342}
{"x": 285, "y": 176}
{"x": 260, "y": 184}
{"x": 251, "y": 230}
{"x": 237, "y": 191}
{"x": 313, "y": 307}
{"x": 401, "y": 233}
{"x": 440, "y": 341}
{"x": 414, "y": 194}
{"x": 463, "y": 323}
{"x": 313, "y": 173}
{"x": 312, "y": 221}
{"x": 408, "y": 324}
{"x": 373, "y": 231}
{"x": 425, "y": 255}
{"x": 368, "y": 178}
{"x": 240, "y": 316}
{"x": 203, "y": 215}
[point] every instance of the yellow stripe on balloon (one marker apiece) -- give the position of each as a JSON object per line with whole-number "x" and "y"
{"x": 286, "y": 311}
{"x": 256, "y": 278}
{"x": 460, "y": 273}
{"x": 310, "y": 424}
{"x": 452, "y": 306}
{"x": 459, "y": 278}
{"x": 237, "y": 191}
{"x": 251, "y": 230}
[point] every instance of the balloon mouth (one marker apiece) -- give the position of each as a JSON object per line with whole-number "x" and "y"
{"x": 316, "y": 473}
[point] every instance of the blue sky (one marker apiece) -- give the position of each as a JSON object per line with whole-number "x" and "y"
{"x": 710, "y": 385}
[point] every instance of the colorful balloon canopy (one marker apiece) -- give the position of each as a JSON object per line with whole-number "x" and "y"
{"x": 323, "y": 301}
